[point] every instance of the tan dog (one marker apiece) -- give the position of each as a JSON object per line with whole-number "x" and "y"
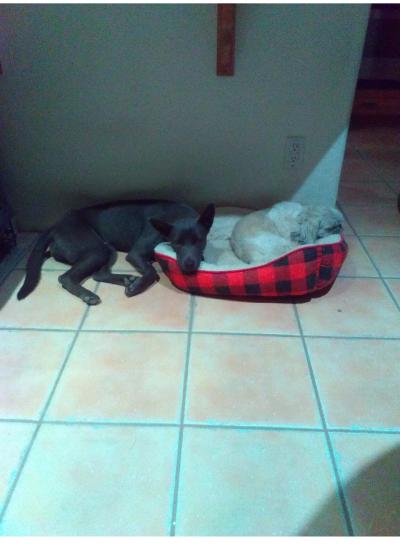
{"x": 267, "y": 234}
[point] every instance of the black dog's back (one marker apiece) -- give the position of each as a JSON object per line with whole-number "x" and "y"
{"x": 121, "y": 223}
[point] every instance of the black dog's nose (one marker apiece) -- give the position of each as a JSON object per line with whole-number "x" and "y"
{"x": 189, "y": 266}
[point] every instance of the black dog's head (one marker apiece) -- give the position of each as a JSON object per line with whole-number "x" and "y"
{"x": 188, "y": 238}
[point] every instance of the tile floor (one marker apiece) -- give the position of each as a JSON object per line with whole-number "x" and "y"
{"x": 167, "y": 414}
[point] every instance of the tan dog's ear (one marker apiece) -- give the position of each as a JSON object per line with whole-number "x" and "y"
{"x": 307, "y": 229}
{"x": 331, "y": 222}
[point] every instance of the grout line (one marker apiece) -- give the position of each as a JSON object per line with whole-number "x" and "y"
{"x": 357, "y": 150}
{"x": 191, "y": 425}
{"x": 182, "y": 419}
{"x": 42, "y": 415}
{"x": 364, "y": 431}
{"x": 91, "y": 330}
{"x": 105, "y": 423}
{"x": 369, "y": 277}
{"x": 371, "y": 235}
{"x": 340, "y": 490}
{"x": 298, "y": 336}
{"x": 31, "y": 329}
{"x": 248, "y": 427}
{"x": 368, "y": 235}
{"x": 16, "y": 420}
{"x": 374, "y": 338}
{"x": 200, "y": 332}
{"x": 355, "y": 277}
{"x": 389, "y": 291}
{"x": 251, "y": 334}
{"x": 133, "y": 331}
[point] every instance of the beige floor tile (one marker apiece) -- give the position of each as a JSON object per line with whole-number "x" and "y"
{"x": 357, "y": 262}
{"x": 121, "y": 265}
{"x": 356, "y": 168}
{"x": 49, "y": 306}
{"x": 161, "y": 307}
{"x": 27, "y": 373}
{"x": 352, "y": 307}
{"x": 347, "y": 230}
{"x": 374, "y": 220}
{"x": 394, "y": 285}
{"x": 395, "y": 185}
{"x": 385, "y": 253}
{"x": 249, "y": 379}
{"x": 49, "y": 265}
{"x": 374, "y": 138}
{"x": 358, "y": 381}
{"x": 386, "y": 161}
{"x": 365, "y": 193}
{"x": 121, "y": 377}
{"x": 15, "y": 437}
{"x": 223, "y": 315}
{"x": 369, "y": 467}
{"x": 254, "y": 483}
{"x": 81, "y": 481}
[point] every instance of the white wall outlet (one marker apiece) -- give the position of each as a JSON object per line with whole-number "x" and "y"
{"x": 295, "y": 151}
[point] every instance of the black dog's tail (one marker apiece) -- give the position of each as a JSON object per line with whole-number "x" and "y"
{"x": 34, "y": 264}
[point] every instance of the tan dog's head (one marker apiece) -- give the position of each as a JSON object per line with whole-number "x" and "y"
{"x": 315, "y": 222}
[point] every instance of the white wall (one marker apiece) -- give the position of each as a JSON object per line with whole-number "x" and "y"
{"x": 118, "y": 101}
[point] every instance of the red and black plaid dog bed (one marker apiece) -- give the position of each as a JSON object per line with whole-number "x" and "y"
{"x": 303, "y": 271}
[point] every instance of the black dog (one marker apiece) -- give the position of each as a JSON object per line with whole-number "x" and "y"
{"x": 88, "y": 240}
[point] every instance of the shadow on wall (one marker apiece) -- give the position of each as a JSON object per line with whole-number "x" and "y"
{"x": 373, "y": 499}
{"x": 72, "y": 197}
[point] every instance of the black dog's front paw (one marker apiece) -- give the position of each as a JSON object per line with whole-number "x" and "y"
{"x": 91, "y": 299}
{"x": 129, "y": 280}
{"x": 135, "y": 287}
{"x": 140, "y": 285}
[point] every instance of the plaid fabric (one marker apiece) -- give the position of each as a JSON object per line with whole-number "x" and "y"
{"x": 300, "y": 272}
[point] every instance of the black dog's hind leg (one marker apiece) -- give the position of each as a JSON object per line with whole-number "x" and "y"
{"x": 142, "y": 261}
{"x": 105, "y": 275}
{"x": 82, "y": 269}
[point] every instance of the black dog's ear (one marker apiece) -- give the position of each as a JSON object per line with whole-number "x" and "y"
{"x": 162, "y": 227}
{"x": 207, "y": 217}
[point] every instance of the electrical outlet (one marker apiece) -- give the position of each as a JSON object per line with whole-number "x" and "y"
{"x": 295, "y": 149}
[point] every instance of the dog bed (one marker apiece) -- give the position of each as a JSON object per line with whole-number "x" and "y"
{"x": 303, "y": 271}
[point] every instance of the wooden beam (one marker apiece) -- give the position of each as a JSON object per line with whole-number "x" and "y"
{"x": 226, "y": 15}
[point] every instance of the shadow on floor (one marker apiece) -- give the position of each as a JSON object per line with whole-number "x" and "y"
{"x": 373, "y": 496}
{"x": 9, "y": 285}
